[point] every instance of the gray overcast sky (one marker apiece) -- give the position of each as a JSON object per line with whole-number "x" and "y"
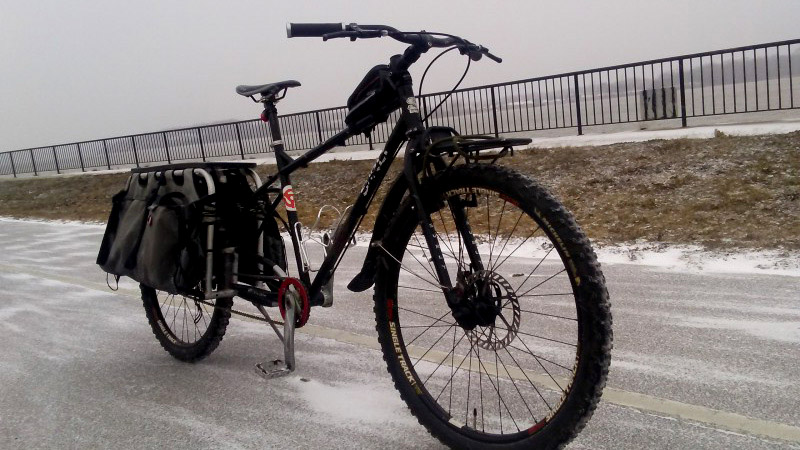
{"x": 84, "y": 69}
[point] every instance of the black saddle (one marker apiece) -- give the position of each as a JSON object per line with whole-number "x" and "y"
{"x": 267, "y": 90}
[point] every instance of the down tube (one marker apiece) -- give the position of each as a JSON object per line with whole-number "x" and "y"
{"x": 346, "y": 230}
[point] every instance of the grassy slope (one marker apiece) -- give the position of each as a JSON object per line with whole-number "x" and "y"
{"x": 726, "y": 192}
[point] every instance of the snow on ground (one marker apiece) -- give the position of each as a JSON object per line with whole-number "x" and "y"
{"x": 671, "y": 257}
{"x": 703, "y": 132}
{"x": 692, "y": 258}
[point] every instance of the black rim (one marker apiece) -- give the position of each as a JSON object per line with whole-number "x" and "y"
{"x": 505, "y": 380}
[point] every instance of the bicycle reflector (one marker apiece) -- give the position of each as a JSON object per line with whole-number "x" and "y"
{"x": 264, "y": 117}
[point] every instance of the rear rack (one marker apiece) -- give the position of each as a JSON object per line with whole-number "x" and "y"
{"x": 472, "y": 148}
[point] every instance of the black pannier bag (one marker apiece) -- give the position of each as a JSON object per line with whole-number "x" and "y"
{"x": 238, "y": 227}
{"x": 153, "y": 233}
{"x": 156, "y": 233}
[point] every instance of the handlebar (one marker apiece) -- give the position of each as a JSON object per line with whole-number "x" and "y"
{"x": 422, "y": 40}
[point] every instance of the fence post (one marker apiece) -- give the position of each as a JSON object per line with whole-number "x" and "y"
{"x": 135, "y": 154}
{"x": 33, "y": 163}
{"x": 578, "y": 104}
{"x": 239, "y": 138}
{"x": 105, "y": 150}
{"x": 683, "y": 93}
{"x": 166, "y": 147}
{"x": 55, "y": 158}
{"x": 494, "y": 115}
{"x": 319, "y": 126}
{"x": 202, "y": 149}
{"x": 80, "y": 156}
{"x": 13, "y": 169}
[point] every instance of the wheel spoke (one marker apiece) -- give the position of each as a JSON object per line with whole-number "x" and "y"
{"x": 545, "y": 281}
{"x": 548, "y": 315}
{"x": 431, "y": 326}
{"x": 495, "y": 268}
{"x": 536, "y": 267}
{"x": 510, "y": 234}
{"x": 542, "y": 358}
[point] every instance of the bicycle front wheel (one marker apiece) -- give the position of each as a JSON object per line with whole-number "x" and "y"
{"x": 524, "y": 364}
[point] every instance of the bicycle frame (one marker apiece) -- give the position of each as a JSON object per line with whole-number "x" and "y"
{"x": 408, "y": 127}
{"x": 348, "y": 226}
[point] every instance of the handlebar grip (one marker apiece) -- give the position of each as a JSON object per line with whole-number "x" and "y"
{"x": 312, "y": 29}
{"x": 496, "y": 59}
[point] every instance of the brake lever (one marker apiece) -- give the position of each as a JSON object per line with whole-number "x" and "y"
{"x": 354, "y": 34}
{"x": 340, "y": 34}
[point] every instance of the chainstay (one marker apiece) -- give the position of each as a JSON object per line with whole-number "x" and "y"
{"x": 240, "y": 313}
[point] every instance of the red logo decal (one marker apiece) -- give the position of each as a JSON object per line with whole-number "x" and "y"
{"x": 288, "y": 198}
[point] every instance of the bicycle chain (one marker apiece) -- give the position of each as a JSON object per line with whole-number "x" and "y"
{"x": 241, "y": 313}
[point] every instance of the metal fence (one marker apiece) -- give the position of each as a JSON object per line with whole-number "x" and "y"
{"x": 740, "y": 80}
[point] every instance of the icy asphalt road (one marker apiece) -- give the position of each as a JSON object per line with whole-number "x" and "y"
{"x": 699, "y": 361}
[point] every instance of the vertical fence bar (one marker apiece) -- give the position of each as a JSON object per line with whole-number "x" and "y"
{"x": 166, "y": 147}
{"x": 202, "y": 149}
{"x": 791, "y": 84}
{"x": 13, "y": 168}
{"x": 33, "y": 163}
{"x": 578, "y": 105}
{"x": 319, "y": 126}
{"x": 55, "y": 158}
{"x": 239, "y": 138}
{"x": 80, "y": 157}
{"x": 683, "y": 93}
{"x": 105, "y": 150}
{"x": 494, "y": 114}
{"x": 135, "y": 153}
{"x": 780, "y": 94}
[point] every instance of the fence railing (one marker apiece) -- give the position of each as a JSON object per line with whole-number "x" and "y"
{"x": 748, "y": 79}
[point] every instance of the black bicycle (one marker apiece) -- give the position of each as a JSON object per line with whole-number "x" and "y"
{"x": 490, "y": 305}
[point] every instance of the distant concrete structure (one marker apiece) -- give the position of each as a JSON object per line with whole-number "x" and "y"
{"x": 660, "y": 103}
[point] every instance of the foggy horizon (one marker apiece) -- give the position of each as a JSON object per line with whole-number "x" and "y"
{"x": 86, "y": 70}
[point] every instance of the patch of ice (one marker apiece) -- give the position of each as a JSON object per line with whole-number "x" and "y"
{"x": 682, "y": 368}
{"x": 783, "y": 331}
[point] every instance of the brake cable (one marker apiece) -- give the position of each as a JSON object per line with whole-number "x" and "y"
{"x": 464, "y": 75}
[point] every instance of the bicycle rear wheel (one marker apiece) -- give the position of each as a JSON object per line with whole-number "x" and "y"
{"x": 528, "y": 369}
{"x": 187, "y": 329}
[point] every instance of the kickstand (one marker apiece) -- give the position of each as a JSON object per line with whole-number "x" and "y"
{"x": 278, "y": 368}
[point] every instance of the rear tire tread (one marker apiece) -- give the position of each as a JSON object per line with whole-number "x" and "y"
{"x": 199, "y": 350}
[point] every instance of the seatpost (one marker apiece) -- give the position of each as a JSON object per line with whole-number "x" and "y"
{"x": 271, "y": 114}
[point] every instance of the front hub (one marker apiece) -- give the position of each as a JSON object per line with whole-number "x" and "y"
{"x": 488, "y": 309}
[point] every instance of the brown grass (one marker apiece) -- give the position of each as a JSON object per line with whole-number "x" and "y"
{"x": 725, "y": 192}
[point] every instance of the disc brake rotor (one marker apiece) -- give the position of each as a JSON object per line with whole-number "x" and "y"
{"x": 506, "y": 325}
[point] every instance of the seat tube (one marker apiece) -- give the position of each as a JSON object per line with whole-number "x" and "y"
{"x": 283, "y": 160}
